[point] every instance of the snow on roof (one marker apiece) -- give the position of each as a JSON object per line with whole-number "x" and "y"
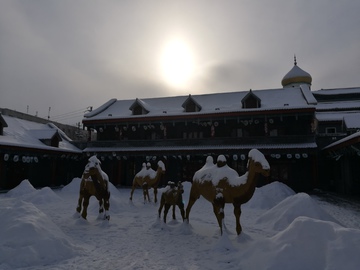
{"x": 23, "y": 133}
{"x": 43, "y": 133}
{"x": 274, "y": 99}
{"x": 350, "y": 118}
{"x": 352, "y": 121}
{"x": 352, "y": 136}
{"x": 337, "y": 91}
{"x": 338, "y": 105}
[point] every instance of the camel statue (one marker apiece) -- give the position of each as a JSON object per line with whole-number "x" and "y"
{"x": 219, "y": 184}
{"x": 172, "y": 197}
{"x": 94, "y": 182}
{"x": 148, "y": 178}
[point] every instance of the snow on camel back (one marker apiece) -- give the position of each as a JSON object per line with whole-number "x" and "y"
{"x": 220, "y": 184}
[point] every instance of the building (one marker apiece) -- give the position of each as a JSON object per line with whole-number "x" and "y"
{"x": 39, "y": 152}
{"x": 310, "y": 137}
{"x": 183, "y": 130}
{"x": 338, "y": 139}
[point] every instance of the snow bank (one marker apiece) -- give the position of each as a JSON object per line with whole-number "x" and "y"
{"x": 301, "y": 204}
{"x": 306, "y": 243}
{"x": 72, "y": 187}
{"x": 269, "y": 195}
{"x": 25, "y": 191}
{"x": 29, "y": 237}
{"x": 23, "y": 188}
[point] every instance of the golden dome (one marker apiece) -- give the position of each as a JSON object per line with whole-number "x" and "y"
{"x": 296, "y": 76}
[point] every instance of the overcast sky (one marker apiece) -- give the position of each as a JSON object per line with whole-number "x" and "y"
{"x": 69, "y": 55}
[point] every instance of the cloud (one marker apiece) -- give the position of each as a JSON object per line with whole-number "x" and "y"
{"x": 74, "y": 54}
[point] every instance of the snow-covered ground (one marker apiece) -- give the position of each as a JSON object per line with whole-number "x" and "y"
{"x": 281, "y": 230}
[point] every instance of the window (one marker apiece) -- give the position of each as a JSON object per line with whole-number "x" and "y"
{"x": 330, "y": 130}
{"x": 190, "y": 105}
{"x": 139, "y": 107}
{"x": 251, "y": 101}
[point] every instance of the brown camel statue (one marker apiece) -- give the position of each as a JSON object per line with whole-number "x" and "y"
{"x": 147, "y": 178}
{"x": 219, "y": 184}
{"x": 94, "y": 182}
{"x": 172, "y": 197}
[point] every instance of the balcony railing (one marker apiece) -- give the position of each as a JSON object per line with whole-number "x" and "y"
{"x": 200, "y": 142}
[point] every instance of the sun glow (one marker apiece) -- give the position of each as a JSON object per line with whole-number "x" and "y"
{"x": 177, "y": 63}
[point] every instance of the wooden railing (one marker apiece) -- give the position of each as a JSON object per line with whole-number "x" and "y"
{"x": 199, "y": 142}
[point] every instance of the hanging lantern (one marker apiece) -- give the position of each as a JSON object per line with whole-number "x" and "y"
{"x": 242, "y": 157}
{"x": 278, "y": 156}
{"x": 289, "y": 156}
{"x": 305, "y": 155}
{"x": 235, "y": 157}
{"x": 297, "y": 156}
{"x": 6, "y": 157}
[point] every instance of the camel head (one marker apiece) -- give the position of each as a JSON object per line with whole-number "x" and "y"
{"x": 161, "y": 167}
{"x": 93, "y": 166}
{"x": 258, "y": 163}
{"x": 221, "y": 161}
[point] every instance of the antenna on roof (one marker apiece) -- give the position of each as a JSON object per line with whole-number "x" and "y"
{"x": 49, "y": 113}
{"x": 295, "y": 63}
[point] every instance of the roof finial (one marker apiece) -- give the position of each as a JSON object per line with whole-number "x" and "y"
{"x": 295, "y": 63}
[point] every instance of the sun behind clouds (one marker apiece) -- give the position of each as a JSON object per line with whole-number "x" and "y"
{"x": 177, "y": 63}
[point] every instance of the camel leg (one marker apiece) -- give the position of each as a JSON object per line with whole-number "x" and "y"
{"x": 146, "y": 194}
{"x": 101, "y": 205}
{"x": 218, "y": 206}
{"x": 132, "y": 191}
{"x": 162, "y": 202}
{"x": 192, "y": 199}
{"x": 78, "y": 208}
{"x": 155, "y": 194}
{"x": 166, "y": 210}
{"x": 237, "y": 213}
{"x": 173, "y": 212}
{"x": 85, "y": 206}
{"x": 182, "y": 211}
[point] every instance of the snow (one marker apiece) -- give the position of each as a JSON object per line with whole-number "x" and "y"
{"x": 281, "y": 230}
{"x": 23, "y": 133}
{"x": 271, "y": 99}
{"x": 211, "y": 172}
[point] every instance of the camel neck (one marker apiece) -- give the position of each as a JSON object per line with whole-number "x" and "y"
{"x": 250, "y": 185}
